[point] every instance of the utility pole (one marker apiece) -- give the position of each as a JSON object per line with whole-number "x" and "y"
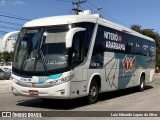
{"x": 77, "y": 6}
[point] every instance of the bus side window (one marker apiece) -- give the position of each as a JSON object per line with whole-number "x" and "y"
{"x": 138, "y": 46}
{"x": 129, "y": 44}
{"x": 145, "y": 48}
{"x": 151, "y": 49}
{"x": 77, "y": 49}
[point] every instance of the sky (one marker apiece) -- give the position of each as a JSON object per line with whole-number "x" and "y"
{"x": 124, "y": 12}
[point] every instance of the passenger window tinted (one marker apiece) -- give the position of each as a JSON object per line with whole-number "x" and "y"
{"x": 109, "y": 40}
{"x": 152, "y": 49}
{"x": 77, "y": 48}
{"x": 138, "y": 46}
{"x": 88, "y": 35}
{"x": 130, "y": 46}
{"x": 81, "y": 44}
{"x": 99, "y": 45}
{"x": 145, "y": 48}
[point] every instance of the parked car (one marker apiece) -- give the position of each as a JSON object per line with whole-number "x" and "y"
{"x": 5, "y": 74}
{"x": 6, "y": 69}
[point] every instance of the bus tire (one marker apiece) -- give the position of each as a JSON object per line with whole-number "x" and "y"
{"x": 93, "y": 92}
{"x": 142, "y": 83}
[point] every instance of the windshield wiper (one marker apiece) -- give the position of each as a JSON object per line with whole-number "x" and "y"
{"x": 25, "y": 57}
{"x": 43, "y": 61}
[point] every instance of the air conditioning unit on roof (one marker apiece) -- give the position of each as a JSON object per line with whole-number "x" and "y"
{"x": 85, "y": 12}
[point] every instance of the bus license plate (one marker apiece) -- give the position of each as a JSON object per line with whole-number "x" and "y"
{"x": 33, "y": 92}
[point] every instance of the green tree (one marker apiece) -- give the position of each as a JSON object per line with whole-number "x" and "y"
{"x": 7, "y": 56}
{"x": 150, "y": 33}
{"x": 136, "y": 28}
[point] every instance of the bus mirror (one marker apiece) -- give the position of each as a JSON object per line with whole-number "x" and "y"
{"x": 45, "y": 34}
{"x": 70, "y": 34}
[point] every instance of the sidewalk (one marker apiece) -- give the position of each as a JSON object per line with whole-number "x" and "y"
{"x": 5, "y": 85}
{"x": 5, "y": 82}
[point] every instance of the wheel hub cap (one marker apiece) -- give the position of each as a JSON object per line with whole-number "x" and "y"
{"x": 93, "y": 91}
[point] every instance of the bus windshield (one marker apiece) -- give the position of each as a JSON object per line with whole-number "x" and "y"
{"x": 41, "y": 50}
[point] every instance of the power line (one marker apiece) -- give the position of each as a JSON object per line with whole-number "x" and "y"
{"x": 116, "y": 20}
{"x": 10, "y": 23}
{"x": 14, "y": 15}
{"x": 2, "y": 15}
{"x": 77, "y": 6}
{"x": 3, "y": 32}
{"x": 92, "y": 4}
{"x": 97, "y": 8}
{"x": 64, "y": 0}
{"x": 104, "y": 13}
{"x": 89, "y": 7}
{"x": 6, "y": 27}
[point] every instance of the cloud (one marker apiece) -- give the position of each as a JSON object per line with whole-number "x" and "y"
{"x": 2, "y": 3}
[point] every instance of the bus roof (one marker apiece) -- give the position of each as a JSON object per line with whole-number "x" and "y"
{"x": 69, "y": 19}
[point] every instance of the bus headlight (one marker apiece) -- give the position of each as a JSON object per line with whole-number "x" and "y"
{"x": 60, "y": 81}
{"x": 14, "y": 80}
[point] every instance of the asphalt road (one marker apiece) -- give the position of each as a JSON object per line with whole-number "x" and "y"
{"x": 123, "y": 100}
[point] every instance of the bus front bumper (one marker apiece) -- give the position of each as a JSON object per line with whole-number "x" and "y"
{"x": 61, "y": 91}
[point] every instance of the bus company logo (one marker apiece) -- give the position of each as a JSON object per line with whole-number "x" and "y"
{"x": 6, "y": 114}
{"x": 43, "y": 79}
{"x": 128, "y": 65}
{"x": 114, "y": 41}
{"x": 112, "y": 36}
{"x": 120, "y": 38}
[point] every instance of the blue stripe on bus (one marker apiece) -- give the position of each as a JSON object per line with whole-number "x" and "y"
{"x": 52, "y": 77}
{"x": 55, "y": 76}
{"x": 42, "y": 79}
{"x": 19, "y": 75}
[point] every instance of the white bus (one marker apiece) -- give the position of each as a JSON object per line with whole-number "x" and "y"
{"x": 66, "y": 57}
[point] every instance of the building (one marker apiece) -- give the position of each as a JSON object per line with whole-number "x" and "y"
{"x": 10, "y": 45}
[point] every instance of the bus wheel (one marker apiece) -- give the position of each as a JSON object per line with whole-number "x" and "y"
{"x": 93, "y": 92}
{"x": 142, "y": 83}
